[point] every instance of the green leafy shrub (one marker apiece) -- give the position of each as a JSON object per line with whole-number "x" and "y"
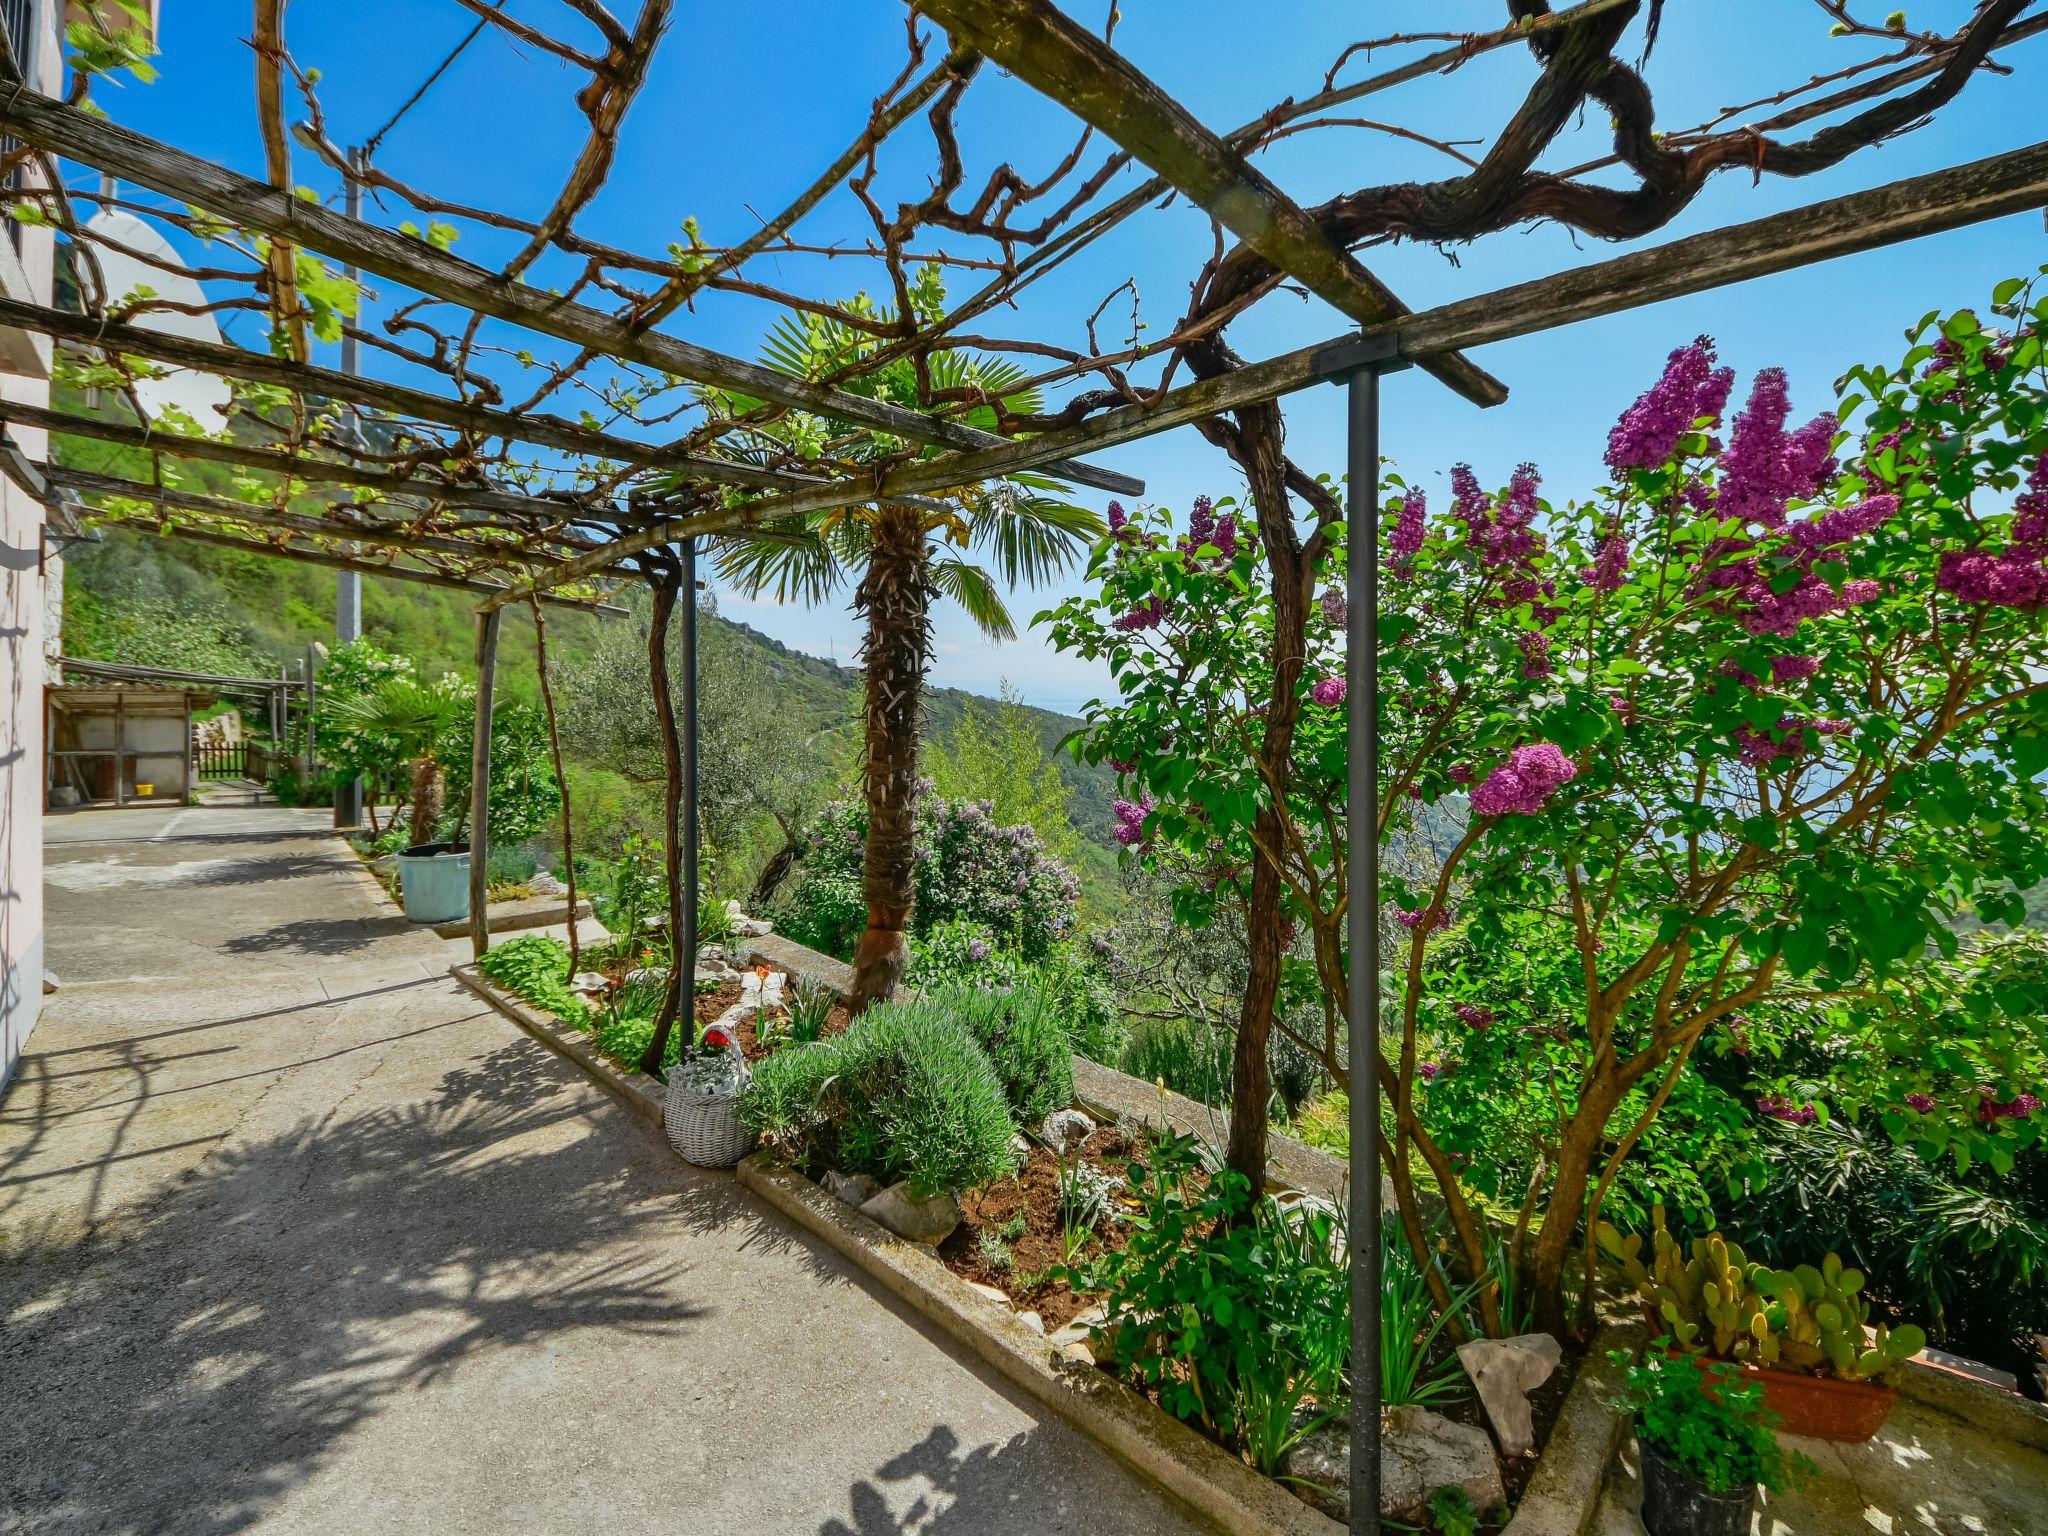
{"x": 1726, "y": 1441}
{"x": 905, "y": 1093}
{"x": 962, "y": 951}
{"x": 1185, "y": 1054}
{"x": 1240, "y": 1326}
{"x": 1019, "y": 1029}
{"x": 625, "y": 1037}
{"x": 536, "y": 968}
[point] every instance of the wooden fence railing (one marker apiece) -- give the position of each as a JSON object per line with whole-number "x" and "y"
{"x": 222, "y": 759}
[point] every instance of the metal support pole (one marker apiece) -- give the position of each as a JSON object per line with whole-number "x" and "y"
{"x": 348, "y": 605}
{"x": 684, "y": 945}
{"x": 312, "y": 701}
{"x": 480, "y": 783}
{"x": 1362, "y": 931}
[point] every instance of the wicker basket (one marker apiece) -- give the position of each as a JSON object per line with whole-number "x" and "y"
{"x": 702, "y": 1115}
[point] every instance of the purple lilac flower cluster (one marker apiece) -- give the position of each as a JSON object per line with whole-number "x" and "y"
{"x": 1405, "y": 543}
{"x": 1474, "y": 1016}
{"x": 1609, "y": 570}
{"x": 2017, "y": 577}
{"x": 1523, "y": 785}
{"x": 1419, "y": 919}
{"x": 1691, "y": 388}
{"x": 1535, "y": 647}
{"x": 1147, "y": 615}
{"x": 1328, "y": 691}
{"x": 1841, "y": 525}
{"x": 1792, "y": 736}
{"x": 1786, "y": 1110}
{"x": 1766, "y": 467}
{"x": 1336, "y": 611}
{"x": 1920, "y": 1102}
{"x": 1129, "y": 831}
{"x": 2020, "y": 1107}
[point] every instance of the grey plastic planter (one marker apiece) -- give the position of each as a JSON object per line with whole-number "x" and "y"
{"x": 435, "y": 880}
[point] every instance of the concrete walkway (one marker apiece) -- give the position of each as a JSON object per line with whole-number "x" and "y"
{"x": 296, "y": 1236}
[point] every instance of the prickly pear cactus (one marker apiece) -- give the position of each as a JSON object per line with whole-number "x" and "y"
{"x": 1713, "y": 1300}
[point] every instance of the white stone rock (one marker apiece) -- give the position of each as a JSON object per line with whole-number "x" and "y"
{"x": 1420, "y": 1452}
{"x": 590, "y": 983}
{"x": 1078, "y": 1327}
{"x": 855, "y": 1189}
{"x": 546, "y": 883}
{"x": 930, "y": 1220}
{"x": 1032, "y": 1321}
{"x": 649, "y": 975}
{"x": 1066, "y": 1126}
{"x": 753, "y": 927}
{"x": 1505, "y": 1372}
{"x": 994, "y": 1293}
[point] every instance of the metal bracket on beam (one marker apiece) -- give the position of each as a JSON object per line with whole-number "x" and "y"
{"x": 1378, "y": 353}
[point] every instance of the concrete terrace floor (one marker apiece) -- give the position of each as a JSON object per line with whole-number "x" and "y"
{"x": 295, "y": 1235}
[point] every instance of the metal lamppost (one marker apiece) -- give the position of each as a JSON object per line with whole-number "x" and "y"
{"x": 1362, "y": 925}
{"x": 683, "y": 946}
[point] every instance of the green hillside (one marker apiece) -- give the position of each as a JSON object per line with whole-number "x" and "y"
{"x": 278, "y": 608}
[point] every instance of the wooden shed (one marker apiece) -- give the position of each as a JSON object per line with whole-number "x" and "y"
{"x": 120, "y": 743}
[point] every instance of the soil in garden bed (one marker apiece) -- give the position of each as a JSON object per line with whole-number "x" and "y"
{"x": 1035, "y": 1243}
{"x": 750, "y": 1043}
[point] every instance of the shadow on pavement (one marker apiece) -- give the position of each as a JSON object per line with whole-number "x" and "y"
{"x": 184, "y": 1373}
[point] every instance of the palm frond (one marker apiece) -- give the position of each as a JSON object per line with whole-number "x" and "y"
{"x": 1031, "y": 537}
{"x": 975, "y": 590}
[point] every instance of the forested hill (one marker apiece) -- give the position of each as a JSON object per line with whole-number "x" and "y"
{"x": 140, "y": 598}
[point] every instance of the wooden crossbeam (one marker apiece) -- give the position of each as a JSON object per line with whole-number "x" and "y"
{"x": 1048, "y": 51}
{"x": 312, "y": 471}
{"x": 355, "y": 389}
{"x": 1861, "y": 221}
{"x": 251, "y": 204}
{"x": 392, "y": 535}
{"x": 334, "y": 562}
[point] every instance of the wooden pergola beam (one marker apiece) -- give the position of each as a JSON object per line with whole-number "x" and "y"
{"x": 312, "y": 471}
{"x": 334, "y": 562}
{"x": 1048, "y": 51}
{"x": 480, "y": 421}
{"x": 393, "y": 535}
{"x": 251, "y": 204}
{"x": 1860, "y": 221}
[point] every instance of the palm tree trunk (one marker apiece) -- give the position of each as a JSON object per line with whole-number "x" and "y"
{"x": 895, "y": 598}
{"x": 426, "y": 797}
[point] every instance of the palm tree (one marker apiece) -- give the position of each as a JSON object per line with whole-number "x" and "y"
{"x": 901, "y": 557}
{"x": 412, "y": 717}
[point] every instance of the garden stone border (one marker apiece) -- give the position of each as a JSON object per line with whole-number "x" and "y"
{"x": 1195, "y": 1470}
{"x": 644, "y": 1095}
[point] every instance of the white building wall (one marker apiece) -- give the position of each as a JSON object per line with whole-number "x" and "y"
{"x": 29, "y": 584}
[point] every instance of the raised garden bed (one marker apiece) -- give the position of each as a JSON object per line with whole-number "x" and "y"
{"x": 986, "y": 1287}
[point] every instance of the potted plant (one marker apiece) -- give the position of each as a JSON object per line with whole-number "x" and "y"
{"x": 414, "y": 717}
{"x": 1707, "y": 1443}
{"x": 1802, "y": 1334}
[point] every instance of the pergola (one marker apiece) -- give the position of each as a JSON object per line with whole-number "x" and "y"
{"x": 472, "y": 487}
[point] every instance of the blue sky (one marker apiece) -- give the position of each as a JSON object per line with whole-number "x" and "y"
{"x": 747, "y": 102}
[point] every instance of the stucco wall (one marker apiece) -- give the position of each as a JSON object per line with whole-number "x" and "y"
{"x": 24, "y": 592}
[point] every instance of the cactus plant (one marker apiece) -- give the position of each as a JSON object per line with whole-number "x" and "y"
{"x": 1713, "y": 1301}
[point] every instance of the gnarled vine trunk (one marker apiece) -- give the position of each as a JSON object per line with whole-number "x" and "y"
{"x": 894, "y": 597}
{"x": 1257, "y": 447}
{"x": 668, "y": 583}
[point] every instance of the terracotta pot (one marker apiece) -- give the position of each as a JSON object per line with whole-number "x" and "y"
{"x": 1818, "y": 1407}
{"x": 1825, "y": 1407}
